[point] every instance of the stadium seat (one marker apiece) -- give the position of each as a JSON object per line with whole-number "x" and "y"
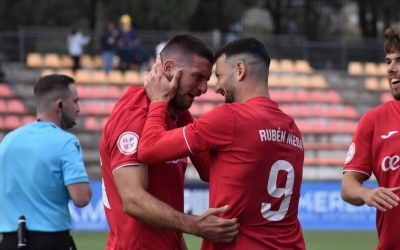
{"x": 372, "y": 83}
{"x": 5, "y": 90}
{"x": 3, "y": 108}
{"x": 318, "y": 96}
{"x": 97, "y": 91}
{"x": 287, "y": 109}
{"x": 303, "y": 126}
{"x": 302, "y": 81}
{"x": 350, "y": 112}
{"x": 131, "y": 77}
{"x": 115, "y": 77}
{"x": 66, "y": 61}
{"x": 67, "y": 72}
{"x": 319, "y": 127}
{"x": 334, "y": 110}
{"x": 12, "y": 122}
{"x": 355, "y": 68}
{"x": 212, "y": 81}
{"x": 302, "y": 66}
{"x": 109, "y": 106}
{"x": 98, "y": 61}
{"x": 302, "y": 95}
{"x": 273, "y": 66}
{"x": 82, "y": 76}
{"x": 51, "y": 60}
{"x": 286, "y": 95}
{"x": 286, "y": 65}
{"x": 34, "y": 60}
{"x": 318, "y": 81}
{"x": 46, "y": 72}
{"x": 82, "y": 91}
{"x": 302, "y": 110}
{"x": 99, "y": 77}
{"x": 286, "y": 80}
{"x": 92, "y": 124}
{"x": 371, "y": 69}
{"x": 273, "y": 95}
{"x": 318, "y": 110}
{"x": 334, "y": 126}
{"x": 16, "y": 106}
{"x": 113, "y": 92}
{"x": 195, "y": 109}
{"x": 384, "y": 84}
{"x": 333, "y": 96}
{"x": 27, "y": 119}
{"x": 86, "y": 61}
{"x": 349, "y": 127}
{"x": 94, "y": 108}
{"x": 382, "y": 69}
{"x": 273, "y": 81}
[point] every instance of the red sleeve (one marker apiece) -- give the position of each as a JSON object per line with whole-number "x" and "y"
{"x": 201, "y": 161}
{"x": 184, "y": 119}
{"x": 212, "y": 131}
{"x": 124, "y": 133}
{"x": 359, "y": 156}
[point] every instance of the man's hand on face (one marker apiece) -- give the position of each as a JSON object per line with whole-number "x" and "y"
{"x": 158, "y": 87}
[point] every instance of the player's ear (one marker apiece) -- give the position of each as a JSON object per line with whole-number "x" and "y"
{"x": 241, "y": 70}
{"x": 168, "y": 68}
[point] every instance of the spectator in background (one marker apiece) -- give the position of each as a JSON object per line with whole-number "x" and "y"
{"x": 159, "y": 47}
{"x": 108, "y": 42}
{"x": 76, "y": 40}
{"x": 40, "y": 183}
{"x": 374, "y": 150}
{"x": 125, "y": 42}
{"x": 252, "y": 150}
{"x": 140, "y": 56}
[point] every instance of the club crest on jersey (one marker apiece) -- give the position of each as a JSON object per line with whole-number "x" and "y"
{"x": 350, "y": 153}
{"x": 128, "y": 143}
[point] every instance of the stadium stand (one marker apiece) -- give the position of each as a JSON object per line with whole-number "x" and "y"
{"x": 326, "y": 105}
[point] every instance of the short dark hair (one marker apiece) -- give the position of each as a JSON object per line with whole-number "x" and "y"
{"x": 392, "y": 43}
{"x": 51, "y": 87}
{"x": 184, "y": 45}
{"x": 245, "y": 45}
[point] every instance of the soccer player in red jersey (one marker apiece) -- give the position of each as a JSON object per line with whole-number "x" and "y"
{"x": 143, "y": 202}
{"x": 374, "y": 150}
{"x": 254, "y": 151}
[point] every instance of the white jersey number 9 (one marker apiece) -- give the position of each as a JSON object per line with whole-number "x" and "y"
{"x": 278, "y": 192}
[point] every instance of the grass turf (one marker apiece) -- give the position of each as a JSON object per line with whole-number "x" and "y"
{"x": 315, "y": 240}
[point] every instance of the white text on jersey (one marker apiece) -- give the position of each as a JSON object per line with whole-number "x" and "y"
{"x": 278, "y": 135}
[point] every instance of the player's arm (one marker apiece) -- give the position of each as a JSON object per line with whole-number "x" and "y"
{"x": 131, "y": 182}
{"x": 200, "y": 160}
{"x": 355, "y": 193}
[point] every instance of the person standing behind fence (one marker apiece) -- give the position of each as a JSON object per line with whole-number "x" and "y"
{"x": 41, "y": 169}
{"x": 108, "y": 42}
{"x": 125, "y": 42}
{"x": 374, "y": 150}
{"x": 76, "y": 40}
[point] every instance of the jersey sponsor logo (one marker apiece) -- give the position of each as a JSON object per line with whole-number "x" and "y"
{"x": 128, "y": 143}
{"x": 390, "y": 163}
{"x": 389, "y": 134}
{"x": 350, "y": 153}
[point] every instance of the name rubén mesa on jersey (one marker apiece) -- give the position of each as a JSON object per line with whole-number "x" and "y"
{"x": 278, "y": 135}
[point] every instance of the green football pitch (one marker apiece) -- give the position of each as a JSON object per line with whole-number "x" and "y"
{"x": 315, "y": 240}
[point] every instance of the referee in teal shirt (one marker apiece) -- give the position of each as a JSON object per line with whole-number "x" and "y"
{"x": 41, "y": 169}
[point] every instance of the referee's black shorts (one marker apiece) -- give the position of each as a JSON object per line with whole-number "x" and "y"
{"x": 39, "y": 241}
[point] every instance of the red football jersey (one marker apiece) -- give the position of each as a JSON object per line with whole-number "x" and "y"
{"x": 375, "y": 149}
{"x": 255, "y": 160}
{"x": 118, "y": 149}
